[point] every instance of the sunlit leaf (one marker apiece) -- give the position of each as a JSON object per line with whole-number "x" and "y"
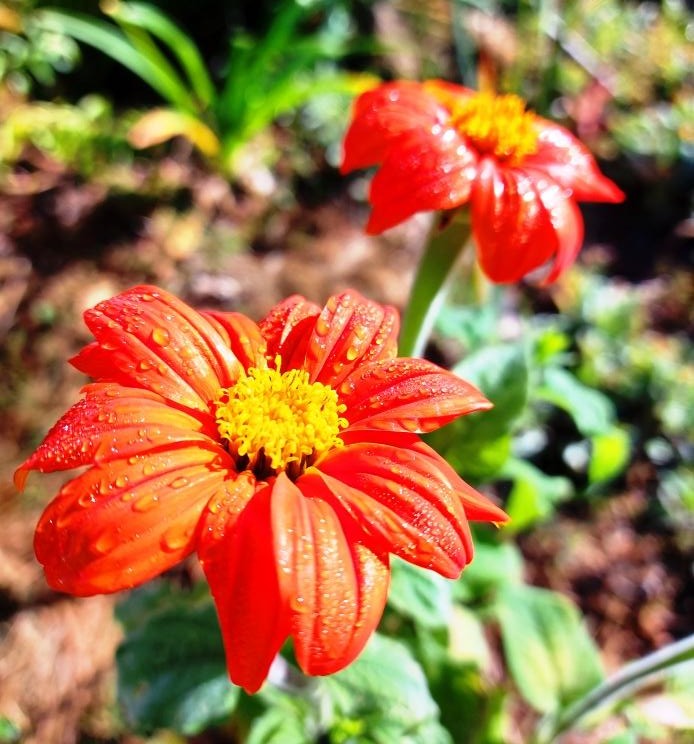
{"x": 501, "y": 373}
{"x": 549, "y": 653}
{"x": 493, "y": 566}
{"x": 386, "y": 688}
{"x": 534, "y": 495}
{"x": 609, "y": 456}
{"x": 591, "y": 411}
{"x": 421, "y": 595}
{"x": 160, "y": 125}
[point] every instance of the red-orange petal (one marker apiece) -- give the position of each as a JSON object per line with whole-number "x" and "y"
{"x": 287, "y": 329}
{"x": 146, "y": 337}
{"x": 382, "y": 115}
{"x": 335, "y": 590}
{"x": 241, "y": 334}
{"x": 567, "y": 222}
{"x": 114, "y": 422}
{"x": 349, "y": 332}
{"x": 567, "y": 161}
{"x": 478, "y": 508}
{"x": 237, "y": 555}
{"x": 400, "y": 498}
{"x": 124, "y": 522}
{"x": 407, "y": 395}
{"x": 511, "y": 226}
{"x": 425, "y": 170}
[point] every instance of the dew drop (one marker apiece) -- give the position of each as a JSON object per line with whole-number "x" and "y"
{"x": 179, "y": 482}
{"x": 352, "y": 353}
{"x": 161, "y": 336}
{"x": 86, "y": 499}
{"x": 298, "y": 604}
{"x": 322, "y": 326}
{"x": 144, "y": 364}
{"x": 121, "y": 481}
{"x": 146, "y": 503}
{"x": 106, "y": 541}
{"x": 146, "y": 297}
{"x": 175, "y": 538}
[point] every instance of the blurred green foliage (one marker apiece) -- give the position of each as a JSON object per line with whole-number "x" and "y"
{"x": 30, "y": 53}
{"x": 262, "y": 78}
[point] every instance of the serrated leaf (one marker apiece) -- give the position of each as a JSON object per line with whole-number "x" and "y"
{"x": 591, "y": 411}
{"x": 386, "y": 688}
{"x": 550, "y": 655}
{"x": 171, "y": 667}
{"x": 421, "y": 595}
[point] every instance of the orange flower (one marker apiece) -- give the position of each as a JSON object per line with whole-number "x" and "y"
{"x": 284, "y": 453}
{"x": 440, "y": 146}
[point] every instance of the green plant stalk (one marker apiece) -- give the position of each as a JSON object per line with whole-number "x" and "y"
{"x": 446, "y": 254}
{"x": 619, "y": 687}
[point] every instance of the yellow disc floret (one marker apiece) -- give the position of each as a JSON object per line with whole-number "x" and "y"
{"x": 497, "y": 125}
{"x": 279, "y": 420}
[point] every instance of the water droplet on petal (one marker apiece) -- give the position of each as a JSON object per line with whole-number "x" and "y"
{"x": 146, "y": 503}
{"x": 121, "y": 481}
{"x": 106, "y": 541}
{"x": 144, "y": 364}
{"x": 176, "y": 537}
{"x": 179, "y": 482}
{"x": 298, "y": 604}
{"x": 161, "y": 336}
{"x": 86, "y": 499}
{"x": 322, "y": 326}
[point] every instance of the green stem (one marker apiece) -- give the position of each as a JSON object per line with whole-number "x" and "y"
{"x": 443, "y": 257}
{"x": 620, "y": 686}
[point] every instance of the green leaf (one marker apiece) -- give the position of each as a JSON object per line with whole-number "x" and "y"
{"x": 386, "y": 688}
{"x": 610, "y": 454}
{"x": 9, "y": 733}
{"x": 477, "y": 446}
{"x": 534, "y": 494}
{"x": 591, "y": 411}
{"x": 493, "y": 566}
{"x": 278, "y": 725}
{"x": 421, "y": 595}
{"x": 550, "y": 655}
{"x": 501, "y": 373}
{"x": 171, "y": 665}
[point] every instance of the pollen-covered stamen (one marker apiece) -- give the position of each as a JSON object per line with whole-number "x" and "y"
{"x": 498, "y": 125}
{"x": 279, "y": 420}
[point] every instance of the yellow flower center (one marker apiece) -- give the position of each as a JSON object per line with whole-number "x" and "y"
{"x": 497, "y": 125}
{"x": 279, "y": 421}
